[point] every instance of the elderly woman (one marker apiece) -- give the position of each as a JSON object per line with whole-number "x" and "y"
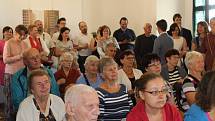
{"x": 82, "y": 103}
{"x": 91, "y": 76}
{"x": 151, "y": 63}
{"x": 66, "y": 75}
{"x": 128, "y": 74}
{"x": 195, "y": 63}
{"x": 104, "y": 40}
{"x": 41, "y": 105}
{"x": 153, "y": 93}
{"x": 113, "y": 97}
{"x": 204, "y": 109}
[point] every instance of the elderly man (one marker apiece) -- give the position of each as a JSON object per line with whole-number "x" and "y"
{"x": 144, "y": 44}
{"x": 82, "y": 41}
{"x": 82, "y": 103}
{"x": 43, "y": 35}
{"x": 124, "y": 35}
{"x": 32, "y": 61}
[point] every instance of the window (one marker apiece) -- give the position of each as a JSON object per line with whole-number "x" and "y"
{"x": 203, "y": 10}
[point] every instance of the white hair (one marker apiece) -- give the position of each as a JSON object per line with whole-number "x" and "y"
{"x": 66, "y": 55}
{"x": 90, "y": 59}
{"x": 190, "y": 57}
{"x": 74, "y": 93}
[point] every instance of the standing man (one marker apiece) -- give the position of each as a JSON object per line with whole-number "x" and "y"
{"x": 144, "y": 44}
{"x": 164, "y": 42}
{"x": 43, "y": 35}
{"x": 124, "y": 36}
{"x": 61, "y": 22}
{"x": 82, "y": 43}
{"x": 186, "y": 33}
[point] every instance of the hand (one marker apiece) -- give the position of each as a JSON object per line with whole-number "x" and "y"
{"x": 61, "y": 81}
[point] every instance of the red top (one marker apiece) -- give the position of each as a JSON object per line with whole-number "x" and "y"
{"x": 170, "y": 113}
{"x": 36, "y": 44}
{"x": 70, "y": 79}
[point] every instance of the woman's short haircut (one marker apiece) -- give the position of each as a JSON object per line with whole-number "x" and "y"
{"x": 74, "y": 93}
{"x": 66, "y": 55}
{"x": 35, "y": 73}
{"x": 105, "y": 61}
{"x": 103, "y": 28}
{"x": 62, "y": 30}
{"x": 125, "y": 53}
{"x": 149, "y": 58}
{"x": 91, "y": 58}
{"x": 190, "y": 57}
{"x": 205, "y": 96}
{"x": 171, "y": 52}
{"x": 30, "y": 27}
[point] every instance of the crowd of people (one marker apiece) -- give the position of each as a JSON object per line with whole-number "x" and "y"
{"x": 62, "y": 77}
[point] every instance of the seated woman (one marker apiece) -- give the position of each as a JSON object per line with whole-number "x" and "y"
{"x": 153, "y": 92}
{"x": 128, "y": 74}
{"x": 66, "y": 75}
{"x": 204, "y": 109}
{"x": 41, "y": 105}
{"x": 113, "y": 97}
{"x": 91, "y": 76}
{"x": 194, "y": 61}
{"x": 151, "y": 63}
{"x": 104, "y": 40}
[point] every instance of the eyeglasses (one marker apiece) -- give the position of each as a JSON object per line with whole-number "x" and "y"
{"x": 157, "y": 92}
{"x": 154, "y": 64}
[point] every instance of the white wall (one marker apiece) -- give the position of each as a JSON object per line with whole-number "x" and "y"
{"x": 100, "y": 12}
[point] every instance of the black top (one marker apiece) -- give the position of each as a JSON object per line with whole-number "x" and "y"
{"x": 143, "y": 46}
{"x": 122, "y": 35}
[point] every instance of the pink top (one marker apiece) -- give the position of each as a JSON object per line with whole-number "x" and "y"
{"x": 12, "y": 55}
{"x": 209, "y": 118}
{"x": 2, "y": 65}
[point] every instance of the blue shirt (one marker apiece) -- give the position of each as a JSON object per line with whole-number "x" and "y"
{"x": 82, "y": 80}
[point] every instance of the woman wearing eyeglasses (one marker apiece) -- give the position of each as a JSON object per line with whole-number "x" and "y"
{"x": 152, "y": 106}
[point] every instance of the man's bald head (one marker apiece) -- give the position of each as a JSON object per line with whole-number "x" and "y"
{"x": 32, "y": 58}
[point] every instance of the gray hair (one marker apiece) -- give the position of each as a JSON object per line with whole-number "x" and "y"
{"x": 212, "y": 19}
{"x": 190, "y": 57}
{"x": 74, "y": 93}
{"x": 66, "y": 55}
{"x": 105, "y": 61}
{"x": 90, "y": 59}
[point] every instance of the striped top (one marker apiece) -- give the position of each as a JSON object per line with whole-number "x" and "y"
{"x": 190, "y": 84}
{"x": 174, "y": 76}
{"x": 114, "y": 106}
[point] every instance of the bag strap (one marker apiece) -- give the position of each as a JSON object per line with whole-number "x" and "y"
{"x": 87, "y": 81}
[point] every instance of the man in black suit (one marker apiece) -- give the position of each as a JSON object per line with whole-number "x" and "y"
{"x": 186, "y": 33}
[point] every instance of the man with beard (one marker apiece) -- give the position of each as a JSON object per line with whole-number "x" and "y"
{"x": 43, "y": 35}
{"x": 81, "y": 43}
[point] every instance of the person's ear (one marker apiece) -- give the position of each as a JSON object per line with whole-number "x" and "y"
{"x": 141, "y": 95}
{"x": 69, "y": 109}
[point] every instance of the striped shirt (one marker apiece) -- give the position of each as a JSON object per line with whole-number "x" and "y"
{"x": 174, "y": 76}
{"x": 114, "y": 106}
{"x": 190, "y": 84}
